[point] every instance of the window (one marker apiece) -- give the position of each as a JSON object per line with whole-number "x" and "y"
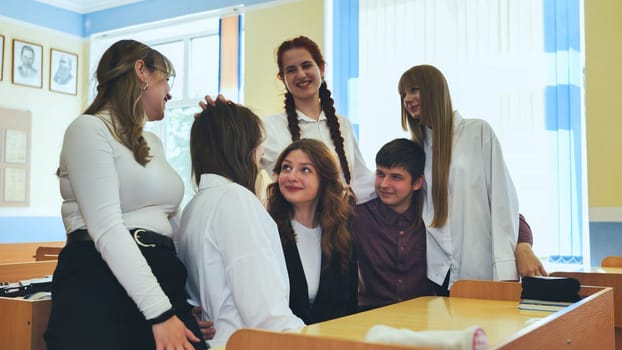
{"x": 516, "y": 64}
{"x": 195, "y": 47}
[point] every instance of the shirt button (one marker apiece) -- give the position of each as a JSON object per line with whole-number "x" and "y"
{"x": 399, "y": 281}
{"x": 401, "y": 233}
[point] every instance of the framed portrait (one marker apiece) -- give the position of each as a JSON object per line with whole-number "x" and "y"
{"x": 63, "y": 72}
{"x": 27, "y": 63}
{"x": 1, "y": 56}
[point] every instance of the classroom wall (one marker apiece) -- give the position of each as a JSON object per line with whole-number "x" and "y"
{"x": 265, "y": 29}
{"x": 603, "y": 73}
{"x": 51, "y": 113}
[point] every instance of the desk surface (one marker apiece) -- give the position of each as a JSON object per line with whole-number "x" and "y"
{"x": 500, "y": 319}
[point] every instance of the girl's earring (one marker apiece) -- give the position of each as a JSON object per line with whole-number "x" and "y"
{"x": 146, "y": 86}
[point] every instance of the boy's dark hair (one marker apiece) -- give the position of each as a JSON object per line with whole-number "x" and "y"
{"x": 404, "y": 153}
{"x": 409, "y": 155}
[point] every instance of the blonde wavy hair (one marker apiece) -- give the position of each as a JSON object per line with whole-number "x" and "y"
{"x": 119, "y": 92}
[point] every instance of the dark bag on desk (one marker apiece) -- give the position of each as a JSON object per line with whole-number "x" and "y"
{"x": 551, "y": 288}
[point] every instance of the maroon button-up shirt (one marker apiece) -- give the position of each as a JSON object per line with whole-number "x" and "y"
{"x": 391, "y": 256}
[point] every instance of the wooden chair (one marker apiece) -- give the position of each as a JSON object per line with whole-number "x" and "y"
{"x": 23, "y": 252}
{"x": 47, "y": 253}
{"x": 257, "y": 339}
{"x": 611, "y": 261}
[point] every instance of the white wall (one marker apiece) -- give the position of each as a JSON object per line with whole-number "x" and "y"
{"x": 51, "y": 111}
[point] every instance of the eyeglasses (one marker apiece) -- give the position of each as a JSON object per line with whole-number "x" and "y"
{"x": 170, "y": 77}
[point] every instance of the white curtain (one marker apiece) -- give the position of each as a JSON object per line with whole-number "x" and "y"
{"x": 492, "y": 53}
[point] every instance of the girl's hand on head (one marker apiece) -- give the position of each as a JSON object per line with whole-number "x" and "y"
{"x": 209, "y": 100}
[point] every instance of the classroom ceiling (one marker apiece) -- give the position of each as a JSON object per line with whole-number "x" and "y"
{"x": 87, "y": 6}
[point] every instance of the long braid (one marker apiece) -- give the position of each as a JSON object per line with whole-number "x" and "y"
{"x": 292, "y": 116}
{"x": 328, "y": 106}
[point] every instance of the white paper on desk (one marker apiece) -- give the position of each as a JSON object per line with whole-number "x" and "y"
{"x": 472, "y": 338}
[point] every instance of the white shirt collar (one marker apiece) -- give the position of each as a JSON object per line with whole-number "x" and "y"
{"x": 212, "y": 180}
{"x": 306, "y": 118}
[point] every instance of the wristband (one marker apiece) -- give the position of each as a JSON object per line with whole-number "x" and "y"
{"x": 163, "y": 317}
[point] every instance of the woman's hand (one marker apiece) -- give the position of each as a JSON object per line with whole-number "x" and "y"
{"x": 210, "y": 101}
{"x": 172, "y": 334}
{"x": 206, "y": 327}
{"x": 527, "y": 262}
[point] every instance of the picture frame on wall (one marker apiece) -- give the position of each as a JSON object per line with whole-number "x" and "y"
{"x": 1, "y": 56}
{"x": 27, "y": 63}
{"x": 63, "y": 72}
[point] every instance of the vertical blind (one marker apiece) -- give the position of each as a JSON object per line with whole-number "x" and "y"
{"x": 516, "y": 64}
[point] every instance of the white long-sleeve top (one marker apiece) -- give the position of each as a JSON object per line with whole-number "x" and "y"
{"x": 479, "y": 238}
{"x": 236, "y": 267}
{"x": 107, "y": 192}
{"x": 278, "y": 137}
{"x": 309, "y": 244}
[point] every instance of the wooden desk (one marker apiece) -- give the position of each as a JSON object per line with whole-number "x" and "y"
{"x": 587, "y": 324}
{"x": 23, "y": 323}
{"x": 606, "y": 277}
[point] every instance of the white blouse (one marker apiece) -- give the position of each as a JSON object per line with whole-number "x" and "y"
{"x": 278, "y": 137}
{"x": 107, "y": 192}
{"x": 309, "y": 244}
{"x": 479, "y": 238}
{"x": 236, "y": 267}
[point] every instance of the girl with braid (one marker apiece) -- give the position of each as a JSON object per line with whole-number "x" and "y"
{"x": 310, "y": 113}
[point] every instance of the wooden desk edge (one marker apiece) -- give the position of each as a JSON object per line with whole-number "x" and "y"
{"x": 586, "y": 324}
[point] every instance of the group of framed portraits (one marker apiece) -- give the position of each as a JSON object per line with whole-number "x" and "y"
{"x": 27, "y": 67}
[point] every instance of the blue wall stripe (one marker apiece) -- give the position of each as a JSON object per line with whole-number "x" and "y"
{"x": 41, "y": 14}
{"x": 605, "y": 239}
{"x": 153, "y": 10}
{"x": 84, "y": 25}
{"x": 16, "y": 229}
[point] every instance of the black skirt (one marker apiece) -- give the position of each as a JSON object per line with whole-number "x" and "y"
{"x": 91, "y": 310}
